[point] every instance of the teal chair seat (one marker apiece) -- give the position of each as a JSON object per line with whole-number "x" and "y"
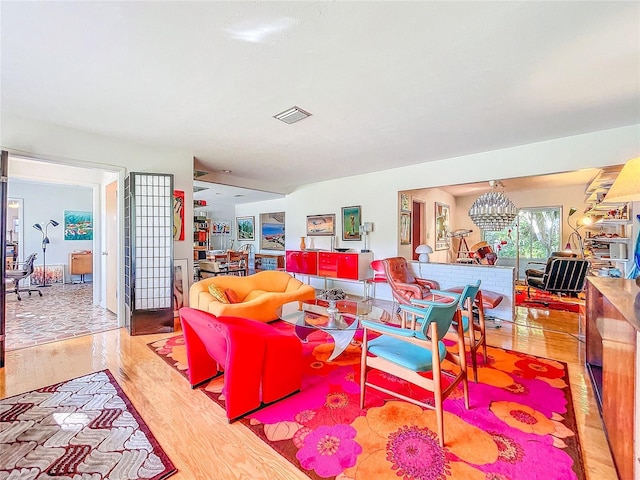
{"x": 405, "y": 354}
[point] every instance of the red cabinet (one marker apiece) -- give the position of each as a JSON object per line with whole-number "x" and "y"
{"x": 298, "y": 261}
{"x": 347, "y": 266}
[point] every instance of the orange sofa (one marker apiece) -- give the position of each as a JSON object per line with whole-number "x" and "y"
{"x": 259, "y": 295}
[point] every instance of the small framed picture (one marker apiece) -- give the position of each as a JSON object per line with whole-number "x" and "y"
{"x": 442, "y": 226}
{"x": 321, "y": 225}
{"x": 404, "y": 203}
{"x": 405, "y": 229}
{"x": 351, "y": 220}
{"x": 245, "y": 228}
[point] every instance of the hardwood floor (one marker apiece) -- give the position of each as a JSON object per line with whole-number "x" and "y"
{"x": 194, "y": 431}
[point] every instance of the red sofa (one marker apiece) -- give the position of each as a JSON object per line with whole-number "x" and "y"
{"x": 260, "y": 363}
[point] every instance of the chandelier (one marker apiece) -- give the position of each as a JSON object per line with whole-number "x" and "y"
{"x": 493, "y": 211}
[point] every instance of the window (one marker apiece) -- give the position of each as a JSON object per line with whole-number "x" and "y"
{"x": 538, "y": 237}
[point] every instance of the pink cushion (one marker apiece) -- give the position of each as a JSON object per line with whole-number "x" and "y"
{"x": 489, "y": 299}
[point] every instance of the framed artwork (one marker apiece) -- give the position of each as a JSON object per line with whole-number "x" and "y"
{"x": 321, "y": 225}
{"x": 245, "y": 228}
{"x": 178, "y": 215}
{"x": 220, "y": 228}
{"x": 272, "y": 231}
{"x": 405, "y": 229}
{"x": 78, "y": 225}
{"x": 55, "y": 274}
{"x": 442, "y": 226}
{"x": 351, "y": 220}
{"x": 405, "y": 206}
{"x": 180, "y": 285}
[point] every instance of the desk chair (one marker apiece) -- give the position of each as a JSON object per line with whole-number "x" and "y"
{"x": 23, "y": 271}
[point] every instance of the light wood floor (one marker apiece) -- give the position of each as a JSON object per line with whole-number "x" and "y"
{"x": 194, "y": 431}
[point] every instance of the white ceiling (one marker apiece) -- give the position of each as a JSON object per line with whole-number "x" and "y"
{"x": 388, "y": 83}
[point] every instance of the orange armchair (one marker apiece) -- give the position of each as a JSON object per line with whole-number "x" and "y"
{"x": 404, "y": 285}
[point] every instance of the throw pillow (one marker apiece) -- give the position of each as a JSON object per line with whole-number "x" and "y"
{"x": 218, "y": 293}
{"x": 232, "y": 296}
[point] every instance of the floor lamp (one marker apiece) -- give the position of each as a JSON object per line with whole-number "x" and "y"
{"x": 45, "y": 242}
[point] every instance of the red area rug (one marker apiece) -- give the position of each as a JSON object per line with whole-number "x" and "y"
{"x": 82, "y": 428}
{"x": 548, "y": 301}
{"x": 521, "y": 424}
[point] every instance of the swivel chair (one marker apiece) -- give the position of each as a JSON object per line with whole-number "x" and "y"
{"x": 23, "y": 271}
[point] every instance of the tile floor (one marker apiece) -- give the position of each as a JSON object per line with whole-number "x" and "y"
{"x": 64, "y": 311}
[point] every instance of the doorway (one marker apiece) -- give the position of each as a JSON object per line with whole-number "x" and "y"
{"x": 68, "y": 203}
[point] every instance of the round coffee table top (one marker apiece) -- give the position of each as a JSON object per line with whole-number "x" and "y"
{"x": 313, "y": 313}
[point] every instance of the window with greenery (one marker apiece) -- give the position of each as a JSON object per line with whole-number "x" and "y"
{"x": 539, "y": 234}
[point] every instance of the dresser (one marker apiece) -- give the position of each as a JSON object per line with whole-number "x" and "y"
{"x": 613, "y": 363}
{"x": 80, "y": 263}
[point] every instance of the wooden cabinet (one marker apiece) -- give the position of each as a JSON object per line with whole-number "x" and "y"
{"x": 80, "y": 263}
{"x": 612, "y": 338}
{"x": 265, "y": 261}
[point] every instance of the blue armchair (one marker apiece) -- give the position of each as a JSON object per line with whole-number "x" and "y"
{"x": 413, "y": 348}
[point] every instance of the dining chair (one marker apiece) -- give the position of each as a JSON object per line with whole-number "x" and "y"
{"x": 413, "y": 349}
{"x": 470, "y": 295}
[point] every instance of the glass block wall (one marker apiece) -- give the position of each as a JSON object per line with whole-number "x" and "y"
{"x": 149, "y": 252}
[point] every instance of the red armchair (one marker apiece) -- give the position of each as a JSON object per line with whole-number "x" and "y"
{"x": 260, "y": 364}
{"x": 404, "y": 285}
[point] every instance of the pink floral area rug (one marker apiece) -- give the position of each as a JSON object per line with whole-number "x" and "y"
{"x": 85, "y": 428}
{"x": 520, "y": 425}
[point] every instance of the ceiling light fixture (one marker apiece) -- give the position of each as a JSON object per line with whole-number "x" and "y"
{"x": 225, "y": 171}
{"x": 292, "y": 115}
{"x": 493, "y": 211}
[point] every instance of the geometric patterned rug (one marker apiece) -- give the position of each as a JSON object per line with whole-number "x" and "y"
{"x": 520, "y": 426}
{"x": 85, "y": 428}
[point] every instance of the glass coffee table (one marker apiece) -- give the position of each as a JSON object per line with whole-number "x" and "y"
{"x": 341, "y": 321}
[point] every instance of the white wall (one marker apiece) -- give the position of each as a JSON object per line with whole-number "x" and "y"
{"x": 377, "y": 193}
{"x": 61, "y": 145}
{"x": 255, "y": 209}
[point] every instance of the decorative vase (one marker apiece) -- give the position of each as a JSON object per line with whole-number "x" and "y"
{"x": 312, "y": 244}
{"x": 303, "y": 245}
{"x": 332, "y": 310}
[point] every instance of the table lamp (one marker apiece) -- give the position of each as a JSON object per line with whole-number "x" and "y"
{"x": 423, "y": 251}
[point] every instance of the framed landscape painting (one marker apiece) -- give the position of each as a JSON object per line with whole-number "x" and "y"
{"x": 245, "y": 228}
{"x": 272, "y": 231}
{"x": 319, "y": 225}
{"x": 351, "y": 220}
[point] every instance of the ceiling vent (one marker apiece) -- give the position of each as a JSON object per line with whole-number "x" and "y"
{"x": 199, "y": 173}
{"x": 292, "y": 115}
